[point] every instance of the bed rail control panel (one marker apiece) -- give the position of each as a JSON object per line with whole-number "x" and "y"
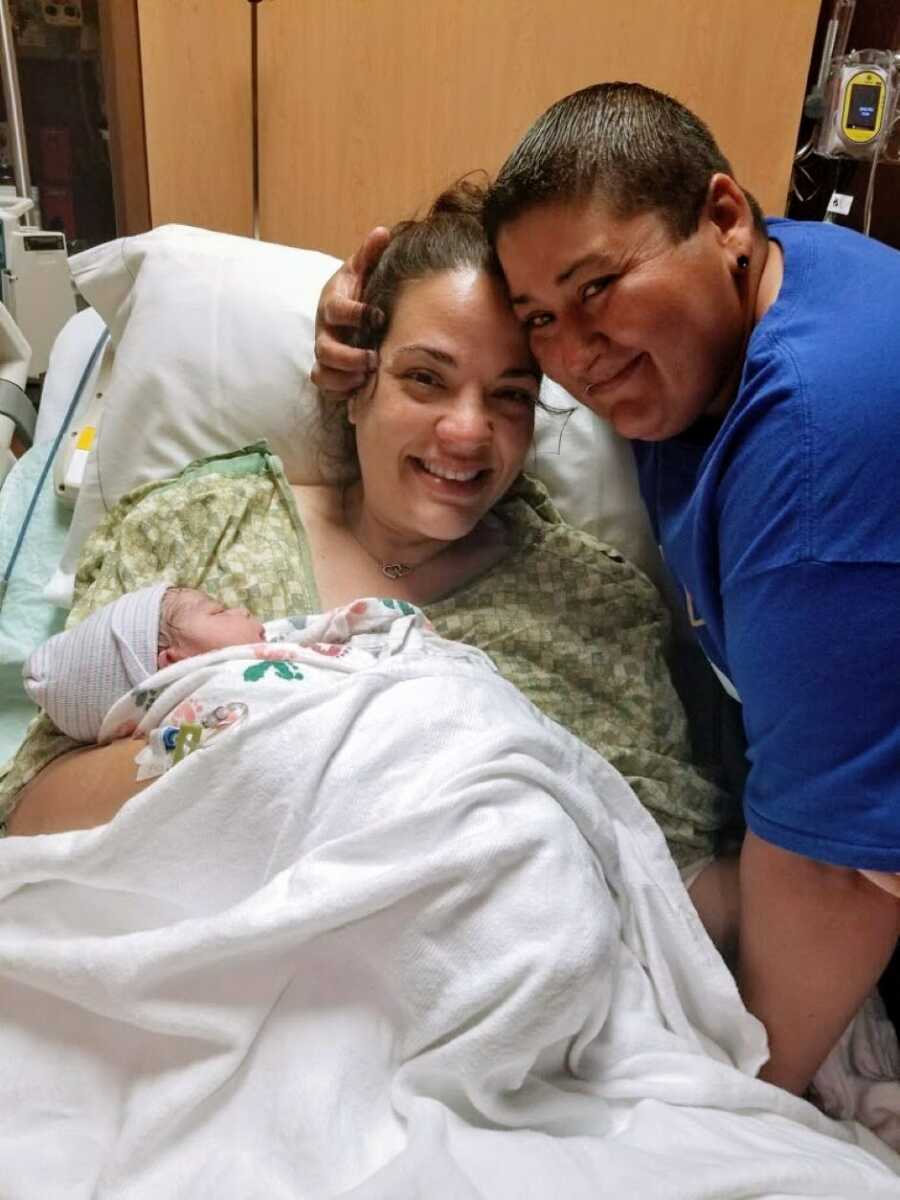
{"x": 69, "y": 478}
{"x": 71, "y": 462}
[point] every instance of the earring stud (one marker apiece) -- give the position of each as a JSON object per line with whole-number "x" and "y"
{"x": 743, "y": 262}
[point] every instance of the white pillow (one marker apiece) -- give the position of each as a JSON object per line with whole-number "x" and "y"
{"x": 213, "y": 338}
{"x": 591, "y": 476}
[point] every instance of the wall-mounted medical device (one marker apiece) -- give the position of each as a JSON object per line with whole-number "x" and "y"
{"x": 35, "y": 282}
{"x": 856, "y": 118}
{"x": 860, "y": 105}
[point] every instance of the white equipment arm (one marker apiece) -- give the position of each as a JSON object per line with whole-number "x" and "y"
{"x": 17, "y": 413}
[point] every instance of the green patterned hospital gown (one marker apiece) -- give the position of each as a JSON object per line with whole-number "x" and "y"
{"x": 564, "y": 617}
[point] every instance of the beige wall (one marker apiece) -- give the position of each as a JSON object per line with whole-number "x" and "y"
{"x": 369, "y": 107}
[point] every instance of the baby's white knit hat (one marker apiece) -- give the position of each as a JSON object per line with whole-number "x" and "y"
{"x": 78, "y": 675}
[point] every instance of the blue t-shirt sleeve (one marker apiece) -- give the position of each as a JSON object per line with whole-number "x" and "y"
{"x": 814, "y": 650}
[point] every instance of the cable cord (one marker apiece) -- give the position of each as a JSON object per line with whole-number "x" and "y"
{"x": 48, "y": 465}
{"x": 870, "y": 187}
{"x": 870, "y": 193}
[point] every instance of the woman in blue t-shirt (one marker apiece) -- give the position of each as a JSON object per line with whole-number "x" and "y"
{"x": 756, "y": 367}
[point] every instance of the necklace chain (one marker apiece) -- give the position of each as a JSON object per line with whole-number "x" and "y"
{"x": 393, "y": 570}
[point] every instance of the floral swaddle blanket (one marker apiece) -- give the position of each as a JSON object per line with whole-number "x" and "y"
{"x": 186, "y": 706}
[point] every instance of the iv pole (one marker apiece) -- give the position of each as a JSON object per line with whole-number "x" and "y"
{"x": 13, "y": 101}
{"x": 36, "y": 285}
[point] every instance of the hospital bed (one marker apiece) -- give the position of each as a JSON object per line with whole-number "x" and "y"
{"x": 195, "y": 343}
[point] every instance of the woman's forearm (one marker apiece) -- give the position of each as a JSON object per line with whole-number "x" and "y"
{"x": 79, "y": 790}
{"x": 813, "y": 941}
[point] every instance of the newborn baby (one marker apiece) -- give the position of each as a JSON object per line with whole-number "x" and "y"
{"x": 78, "y": 675}
{"x": 175, "y": 667}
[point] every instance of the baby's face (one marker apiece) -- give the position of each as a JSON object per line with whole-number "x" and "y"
{"x": 199, "y": 624}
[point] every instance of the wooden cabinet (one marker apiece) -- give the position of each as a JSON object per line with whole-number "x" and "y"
{"x": 178, "y": 92}
{"x": 366, "y": 108}
{"x": 369, "y": 107}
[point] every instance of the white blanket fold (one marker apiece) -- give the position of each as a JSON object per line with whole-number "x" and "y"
{"x": 394, "y": 934}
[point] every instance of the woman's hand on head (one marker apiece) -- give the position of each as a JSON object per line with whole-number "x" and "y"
{"x": 339, "y": 367}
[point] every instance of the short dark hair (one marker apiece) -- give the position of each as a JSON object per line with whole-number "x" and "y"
{"x": 627, "y": 145}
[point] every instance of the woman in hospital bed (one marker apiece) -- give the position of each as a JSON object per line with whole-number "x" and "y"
{"x": 440, "y": 516}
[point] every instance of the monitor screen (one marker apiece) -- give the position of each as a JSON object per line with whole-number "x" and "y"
{"x": 863, "y": 109}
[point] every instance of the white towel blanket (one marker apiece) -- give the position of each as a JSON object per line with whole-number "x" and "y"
{"x": 393, "y": 935}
